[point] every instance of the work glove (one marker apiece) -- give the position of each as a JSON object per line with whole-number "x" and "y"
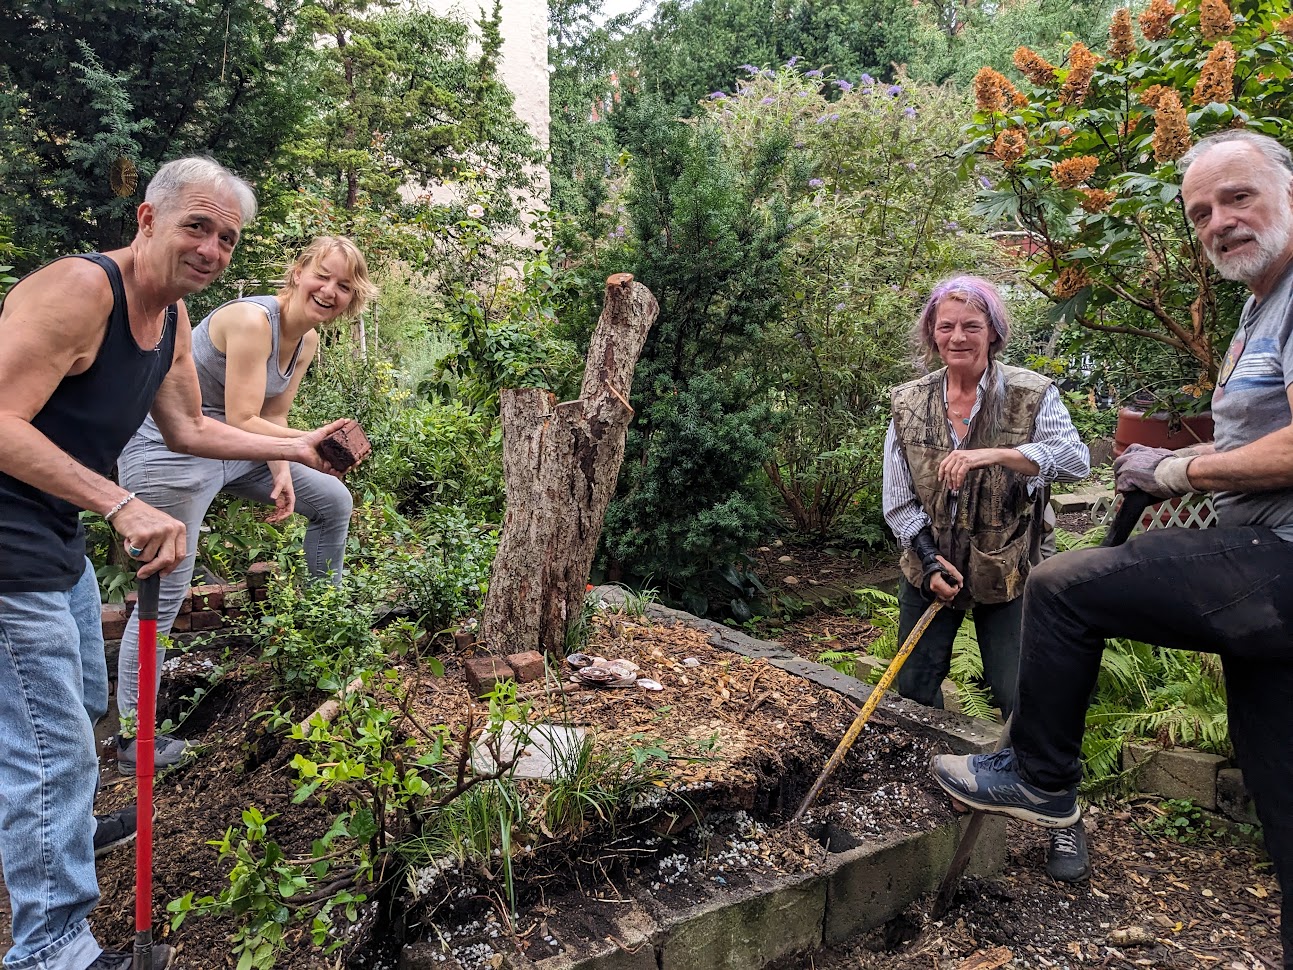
{"x": 1159, "y": 472}
{"x": 926, "y": 549}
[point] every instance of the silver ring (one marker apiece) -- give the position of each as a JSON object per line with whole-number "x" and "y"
{"x": 134, "y": 551}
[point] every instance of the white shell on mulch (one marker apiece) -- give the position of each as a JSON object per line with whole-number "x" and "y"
{"x": 579, "y": 660}
{"x": 690, "y": 662}
{"x": 646, "y": 683}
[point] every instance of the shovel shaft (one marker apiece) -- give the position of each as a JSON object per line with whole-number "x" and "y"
{"x": 868, "y": 708}
{"x": 145, "y": 717}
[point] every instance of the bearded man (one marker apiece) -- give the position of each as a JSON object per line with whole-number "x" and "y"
{"x": 1226, "y": 590}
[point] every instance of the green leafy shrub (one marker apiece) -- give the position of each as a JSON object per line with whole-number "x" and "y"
{"x": 1087, "y": 154}
{"x": 880, "y": 214}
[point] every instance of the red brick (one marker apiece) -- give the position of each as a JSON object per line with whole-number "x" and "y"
{"x": 182, "y": 624}
{"x": 232, "y": 616}
{"x": 258, "y": 574}
{"x": 345, "y": 447}
{"x": 186, "y": 604}
{"x": 114, "y": 616}
{"x": 208, "y": 597}
{"x": 529, "y": 666}
{"x": 259, "y": 594}
{"x": 462, "y": 640}
{"x": 206, "y": 620}
{"x": 484, "y": 673}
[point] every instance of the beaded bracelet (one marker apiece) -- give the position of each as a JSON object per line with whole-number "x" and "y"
{"x": 118, "y": 507}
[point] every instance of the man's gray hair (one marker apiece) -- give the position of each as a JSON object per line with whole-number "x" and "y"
{"x": 1280, "y": 158}
{"x": 173, "y": 178}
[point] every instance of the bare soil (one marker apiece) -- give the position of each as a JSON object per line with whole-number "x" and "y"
{"x": 745, "y": 740}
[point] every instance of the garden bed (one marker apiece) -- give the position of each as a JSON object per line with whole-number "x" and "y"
{"x": 735, "y": 742}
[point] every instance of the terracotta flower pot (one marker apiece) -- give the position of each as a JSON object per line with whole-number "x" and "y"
{"x": 1135, "y": 427}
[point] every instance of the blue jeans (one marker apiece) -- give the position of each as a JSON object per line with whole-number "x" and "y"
{"x": 184, "y": 486}
{"x": 55, "y": 686}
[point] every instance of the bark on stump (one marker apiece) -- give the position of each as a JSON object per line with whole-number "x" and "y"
{"x": 560, "y": 465}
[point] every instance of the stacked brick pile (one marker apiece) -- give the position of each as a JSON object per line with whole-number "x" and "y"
{"x": 205, "y": 608}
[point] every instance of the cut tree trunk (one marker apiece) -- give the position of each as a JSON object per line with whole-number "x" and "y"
{"x": 560, "y": 465}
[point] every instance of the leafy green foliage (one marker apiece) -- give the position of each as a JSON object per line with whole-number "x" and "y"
{"x": 691, "y": 48}
{"x": 83, "y": 84}
{"x": 708, "y": 237}
{"x": 315, "y": 635}
{"x": 1089, "y": 174}
{"x": 400, "y": 102}
{"x": 880, "y": 215}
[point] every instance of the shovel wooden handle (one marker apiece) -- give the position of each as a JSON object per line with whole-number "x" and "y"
{"x": 869, "y": 707}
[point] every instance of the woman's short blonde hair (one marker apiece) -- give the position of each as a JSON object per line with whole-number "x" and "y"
{"x": 356, "y": 268}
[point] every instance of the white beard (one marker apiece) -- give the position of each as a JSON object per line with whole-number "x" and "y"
{"x": 1269, "y": 247}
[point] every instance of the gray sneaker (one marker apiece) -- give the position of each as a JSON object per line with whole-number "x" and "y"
{"x": 1067, "y": 860}
{"x": 168, "y": 751}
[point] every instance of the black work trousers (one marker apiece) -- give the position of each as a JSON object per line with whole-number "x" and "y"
{"x": 1227, "y": 591}
{"x": 997, "y": 629}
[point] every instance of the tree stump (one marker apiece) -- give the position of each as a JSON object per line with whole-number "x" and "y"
{"x": 560, "y": 466}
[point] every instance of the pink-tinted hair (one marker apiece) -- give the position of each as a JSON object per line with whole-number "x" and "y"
{"x": 973, "y": 291}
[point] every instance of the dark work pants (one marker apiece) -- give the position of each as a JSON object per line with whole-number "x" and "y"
{"x": 997, "y": 628}
{"x": 1224, "y": 590}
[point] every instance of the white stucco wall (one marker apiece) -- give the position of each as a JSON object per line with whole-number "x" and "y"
{"x": 524, "y": 64}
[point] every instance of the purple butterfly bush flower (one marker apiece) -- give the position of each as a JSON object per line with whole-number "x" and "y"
{"x": 815, "y": 183}
{"x": 843, "y": 85}
{"x": 748, "y": 69}
{"x": 793, "y": 61}
{"x": 835, "y": 116}
{"x": 717, "y": 96}
{"x": 894, "y": 90}
{"x": 768, "y": 101}
{"x": 909, "y": 112}
{"x": 985, "y": 182}
{"x": 866, "y": 79}
{"x": 812, "y": 73}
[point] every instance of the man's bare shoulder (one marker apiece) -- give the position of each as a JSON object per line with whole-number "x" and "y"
{"x": 69, "y": 294}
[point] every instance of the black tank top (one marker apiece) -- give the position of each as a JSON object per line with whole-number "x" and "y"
{"x": 90, "y": 416}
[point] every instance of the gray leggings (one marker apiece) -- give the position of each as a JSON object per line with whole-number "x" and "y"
{"x": 184, "y": 486}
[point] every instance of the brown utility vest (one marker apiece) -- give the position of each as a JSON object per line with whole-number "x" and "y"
{"x": 992, "y": 540}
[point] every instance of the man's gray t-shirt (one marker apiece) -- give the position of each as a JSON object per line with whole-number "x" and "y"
{"x": 1251, "y": 400}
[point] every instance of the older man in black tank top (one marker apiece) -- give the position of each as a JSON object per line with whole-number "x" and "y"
{"x": 88, "y": 347}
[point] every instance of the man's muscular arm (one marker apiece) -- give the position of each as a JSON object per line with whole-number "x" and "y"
{"x": 52, "y": 327}
{"x": 1259, "y": 466}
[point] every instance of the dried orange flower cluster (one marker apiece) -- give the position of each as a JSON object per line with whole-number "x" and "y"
{"x": 1081, "y": 69}
{"x": 1010, "y": 146}
{"x": 1215, "y": 19}
{"x": 1072, "y": 172}
{"x": 1097, "y": 200}
{"x": 1071, "y": 281}
{"x": 993, "y": 91}
{"x": 1155, "y": 23}
{"x": 1217, "y": 80}
{"x": 1285, "y": 26}
{"x": 1171, "y": 127}
{"x": 1033, "y": 66}
{"x": 1122, "y": 42}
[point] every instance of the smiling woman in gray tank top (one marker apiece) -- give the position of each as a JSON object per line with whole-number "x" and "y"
{"x": 251, "y": 355}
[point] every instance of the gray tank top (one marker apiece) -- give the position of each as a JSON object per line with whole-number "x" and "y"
{"x": 210, "y": 363}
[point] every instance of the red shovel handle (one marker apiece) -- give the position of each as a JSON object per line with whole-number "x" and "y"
{"x": 145, "y": 721}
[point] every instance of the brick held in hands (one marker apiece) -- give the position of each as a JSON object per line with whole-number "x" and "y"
{"x": 345, "y": 447}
